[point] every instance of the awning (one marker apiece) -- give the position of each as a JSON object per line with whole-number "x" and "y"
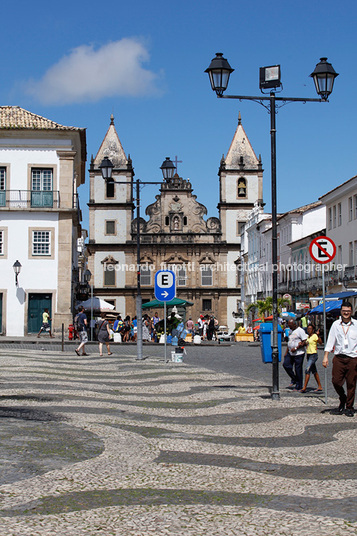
{"x": 337, "y": 295}
{"x": 157, "y": 304}
{"x": 330, "y": 306}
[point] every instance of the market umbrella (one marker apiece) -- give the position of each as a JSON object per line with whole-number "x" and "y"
{"x": 258, "y": 320}
{"x": 288, "y": 314}
{"x": 97, "y": 304}
{"x": 157, "y": 303}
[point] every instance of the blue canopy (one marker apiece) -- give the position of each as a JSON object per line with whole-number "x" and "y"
{"x": 333, "y": 305}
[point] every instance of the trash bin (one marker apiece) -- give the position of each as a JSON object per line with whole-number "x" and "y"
{"x": 266, "y": 335}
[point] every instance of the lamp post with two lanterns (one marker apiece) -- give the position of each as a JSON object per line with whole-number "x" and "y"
{"x": 324, "y": 75}
{"x": 168, "y": 170}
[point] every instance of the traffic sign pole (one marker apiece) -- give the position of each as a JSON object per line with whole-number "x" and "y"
{"x": 165, "y": 314}
{"x": 323, "y": 250}
{"x": 165, "y": 290}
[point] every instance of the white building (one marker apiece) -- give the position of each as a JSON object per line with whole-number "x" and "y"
{"x": 341, "y": 227}
{"x": 41, "y": 165}
{"x": 253, "y": 248}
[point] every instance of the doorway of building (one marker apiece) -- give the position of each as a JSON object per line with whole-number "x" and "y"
{"x": 37, "y": 304}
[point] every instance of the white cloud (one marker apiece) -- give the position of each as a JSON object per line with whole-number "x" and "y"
{"x": 88, "y": 75}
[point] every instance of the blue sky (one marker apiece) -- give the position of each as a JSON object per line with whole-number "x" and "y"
{"x": 79, "y": 61}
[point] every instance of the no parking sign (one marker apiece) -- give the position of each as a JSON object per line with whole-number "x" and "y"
{"x": 322, "y": 249}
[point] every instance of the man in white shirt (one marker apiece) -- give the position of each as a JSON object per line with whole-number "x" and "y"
{"x": 294, "y": 355}
{"x": 342, "y": 340}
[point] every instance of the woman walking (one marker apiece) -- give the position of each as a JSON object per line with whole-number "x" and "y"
{"x": 311, "y": 353}
{"x": 104, "y": 335}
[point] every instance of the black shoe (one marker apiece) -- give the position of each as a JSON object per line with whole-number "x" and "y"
{"x": 349, "y": 412}
{"x": 341, "y": 407}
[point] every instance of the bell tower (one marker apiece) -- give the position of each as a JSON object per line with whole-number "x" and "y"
{"x": 241, "y": 184}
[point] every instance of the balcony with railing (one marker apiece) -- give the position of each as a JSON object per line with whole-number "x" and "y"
{"x": 36, "y": 199}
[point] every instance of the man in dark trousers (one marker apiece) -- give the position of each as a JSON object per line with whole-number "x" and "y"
{"x": 294, "y": 355}
{"x": 342, "y": 340}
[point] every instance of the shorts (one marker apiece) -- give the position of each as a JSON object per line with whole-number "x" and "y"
{"x": 310, "y": 365}
{"x": 45, "y": 326}
{"x": 83, "y": 337}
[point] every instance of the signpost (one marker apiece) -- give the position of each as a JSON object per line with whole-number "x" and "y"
{"x": 322, "y": 250}
{"x": 165, "y": 290}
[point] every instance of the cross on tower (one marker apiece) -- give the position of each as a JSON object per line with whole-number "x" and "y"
{"x": 177, "y": 162}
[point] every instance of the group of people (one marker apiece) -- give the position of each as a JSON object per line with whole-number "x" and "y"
{"x": 342, "y": 341}
{"x": 103, "y": 333}
{"x": 205, "y": 326}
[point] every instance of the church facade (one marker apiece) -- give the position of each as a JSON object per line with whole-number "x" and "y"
{"x": 176, "y": 233}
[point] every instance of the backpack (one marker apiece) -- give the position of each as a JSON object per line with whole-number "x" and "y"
{"x": 78, "y": 324}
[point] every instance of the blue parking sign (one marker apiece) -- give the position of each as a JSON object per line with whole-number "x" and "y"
{"x": 165, "y": 285}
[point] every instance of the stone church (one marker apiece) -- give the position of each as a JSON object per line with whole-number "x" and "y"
{"x": 203, "y": 252}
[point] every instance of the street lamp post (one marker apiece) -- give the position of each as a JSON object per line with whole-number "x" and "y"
{"x": 168, "y": 170}
{"x": 324, "y": 75}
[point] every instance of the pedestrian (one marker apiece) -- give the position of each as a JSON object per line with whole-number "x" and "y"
{"x": 294, "y": 355}
{"x": 200, "y": 325}
{"x": 304, "y": 323}
{"x": 210, "y": 328}
{"x": 126, "y": 328}
{"x": 104, "y": 335}
{"x": 81, "y": 323}
{"x": 313, "y": 339}
{"x": 190, "y": 326}
{"x": 45, "y": 323}
{"x": 342, "y": 339}
{"x": 146, "y": 325}
{"x": 135, "y": 329}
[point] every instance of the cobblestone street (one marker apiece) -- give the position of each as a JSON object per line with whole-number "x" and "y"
{"x": 114, "y": 446}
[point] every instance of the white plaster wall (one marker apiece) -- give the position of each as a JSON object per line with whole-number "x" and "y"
{"x": 231, "y": 187}
{"x": 231, "y": 306}
{"x": 314, "y": 220}
{"x": 19, "y": 159}
{"x": 231, "y": 274}
{"x": 99, "y": 270}
{"x": 121, "y": 190}
{"x": 347, "y": 232}
{"x": 100, "y": 217}
{"x": 232, "y": 216}
{"x": 37, "y": 275}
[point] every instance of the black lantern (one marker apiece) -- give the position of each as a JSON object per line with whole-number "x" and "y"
{"x": 219, "y": 72}
{"x": 106, "y": 168}
{"x": 324, "y": 76}
{"x": 168, "y": 169}
{"x": 87, "y": 276}
{"x": 17, "y": 269}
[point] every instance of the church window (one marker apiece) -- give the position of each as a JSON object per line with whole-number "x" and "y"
{"x": 167, "y": 220}
{"x": 206, "y": 305}
{"x": 109, "y": 275}
{"x": 242, "y": 187}
{"x": 110, "y": 188}
{"x": 206, "y": 276}
{"x": 145, "y": 276}
{"x": 181, "y": 277}
{"x": 110, "y": 227}
{"x": 240, "y": 226}
{"x": 185, "y": 220}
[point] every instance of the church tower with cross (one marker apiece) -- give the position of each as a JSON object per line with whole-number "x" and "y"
{"x": 241, "y": 184}
{"x": 241, "y": 188}
{"x": 111, "y": 209}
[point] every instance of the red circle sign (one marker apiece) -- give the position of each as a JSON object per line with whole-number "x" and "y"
{"x": 322, "y": 249}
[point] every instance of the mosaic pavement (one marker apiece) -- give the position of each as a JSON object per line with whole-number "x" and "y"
{"x": 114, "y": 446}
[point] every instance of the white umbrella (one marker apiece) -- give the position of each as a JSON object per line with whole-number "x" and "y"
{"x": 97, "y": 304}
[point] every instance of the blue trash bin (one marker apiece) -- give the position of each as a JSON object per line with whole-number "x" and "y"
{"x": 266, "y": 333}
